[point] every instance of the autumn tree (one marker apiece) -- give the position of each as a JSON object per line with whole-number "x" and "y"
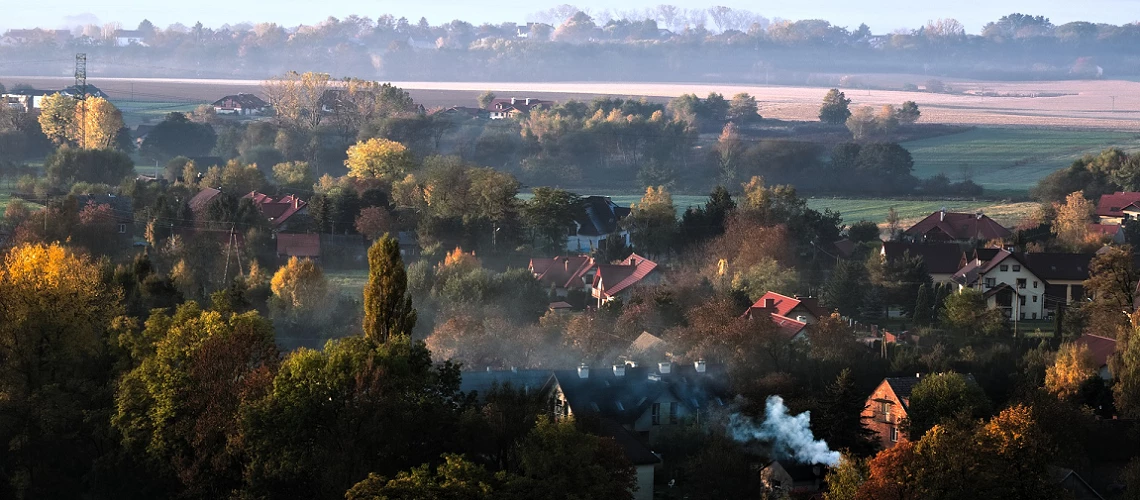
{"x": 179, "y": 404}
{"x": 862, "y": 123}
{"x": 301, "y": 292}
{"x": 835, "y": 108}
{"x": 1071, "y": 367}
{"x": 55, "y": 316}
{"x": 295, "y": 175}
{"x": 652, "y": 223}
{"x": 378, "y": 159}
{"x": 298, "y": 99}
{"x": 1071, "y": 224}
{"x": 99, "y": 123}
{"x": 388, "y": 310}
{"x": 845, "y": 479}
{"x": 373, "y": 222}
{"x": 742, "y": 108}
{"x": 58, "y": 118}
{"x": 1125, "y": 367}
{"x": 728, "y": 151}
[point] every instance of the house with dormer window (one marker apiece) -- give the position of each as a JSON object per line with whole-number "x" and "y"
{"x": 1007, "y": 283}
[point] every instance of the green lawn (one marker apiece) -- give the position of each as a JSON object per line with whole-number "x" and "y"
{"x": 349, "y": 283}
{"x": 1008, "y": 159}
{"x": 136, "y": 112}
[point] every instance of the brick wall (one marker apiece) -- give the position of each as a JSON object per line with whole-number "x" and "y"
{"x": 882, "y": 423}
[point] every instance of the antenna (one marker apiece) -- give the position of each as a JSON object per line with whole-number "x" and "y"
{"x": 81, "y": 86}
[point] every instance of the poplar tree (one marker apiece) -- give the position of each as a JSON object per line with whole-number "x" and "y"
{"x": 388, "y": 307}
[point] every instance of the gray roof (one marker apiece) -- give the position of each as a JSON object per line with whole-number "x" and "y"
{"x": 599, "y": 215}
{"x": 625, "y": 398}
{"x": 483, "y": 381}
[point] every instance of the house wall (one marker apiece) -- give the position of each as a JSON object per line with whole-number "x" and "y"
{"x": 587, "y": 244}
{"x": 1034, "y": 290}
{"x": 644, "y": 489}
{"x": 644, "y": 423}
{"x": 882, "y": 424}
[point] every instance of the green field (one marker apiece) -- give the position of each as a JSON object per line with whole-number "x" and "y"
{"x": 1010, "y": 159}
{"x": 137, "y": 112}
{"x": 349, "y": 283}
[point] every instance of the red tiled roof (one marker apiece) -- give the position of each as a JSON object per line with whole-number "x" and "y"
{"x": 958, "y": 226}
{"x": 1100, "y": 348}
{"x": 562, "y": 272}
{"x": 612, "y": 279}
{"x": 299, "y": 245}
{"x": 279, "y": 210}
{"x": 788, "y": 327}
{"x": 1113, "y": 205}
{"x": 1106, "y": 229}
{"x": 783, "y": 305}
{"x": 201, "y": 200}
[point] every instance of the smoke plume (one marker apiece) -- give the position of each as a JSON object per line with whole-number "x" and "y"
{"x": 789, "y": 435}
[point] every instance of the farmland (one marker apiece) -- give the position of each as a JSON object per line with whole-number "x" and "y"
{"x": 1009, "y": 158}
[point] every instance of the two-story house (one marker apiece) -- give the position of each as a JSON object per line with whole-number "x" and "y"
{"x": 1064, "y": 273}
{"x": 513, "y": 107}
{"x": 597, "y": 218}
{"x": 1118, "y": 207}
{"x": 1007, "y": 283}
{"x": 791, "y": 315}
{"x": 617, "y": 281}
{"x": 563, "y": 273}
{"x": 886, "y": 408}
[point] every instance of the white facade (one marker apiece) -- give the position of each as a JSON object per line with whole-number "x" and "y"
{"x": 580, "y": 243}
{"x": 1030, "y": 303}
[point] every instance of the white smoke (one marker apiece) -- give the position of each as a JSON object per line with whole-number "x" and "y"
{"x": 789, "y": 435}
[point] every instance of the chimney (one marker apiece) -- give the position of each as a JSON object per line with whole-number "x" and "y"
{"x": 978, "y": 215}
{"x": 583, "y": 371}
{"x": 566, "y": 263}
{"x": 699, "y": 365}
{"x": 917, "y": 375}
{"x": 769, "y": 303}
{"x": 512, "y": 101}
{"x": 296, "y": 203}
{"x": 664, "y": 367}
{"x": 528, "y": 101}
{"x": 514, "y": 369}
{"x": 619, "y": 370}
{"x": 801, "y": 318}
{"x": 633, "y": 262}
{"x": 942, "y": 215}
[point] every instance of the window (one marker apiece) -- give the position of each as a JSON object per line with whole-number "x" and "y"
{"x": 1020, "y": 282}
{"x": 1022, "y": 315}
{"x": 1022, "y": 300}
{"x": 1003, "y": 267}
{"x": 1034, "y": 315}
{"x": 894, "y": 434}
{"x": 656, "y": 413}
{"x": 1035, "y": 298}
{"x": 673, "y": 412}
{"x": 1016, "y": 268}
{"x": 122, "y": 229}
{"x": 1035, "y": 284}
{"x": 990, "y": 282}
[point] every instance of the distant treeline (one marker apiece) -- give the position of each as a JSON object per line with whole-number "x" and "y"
{"x": 661, "y": 44}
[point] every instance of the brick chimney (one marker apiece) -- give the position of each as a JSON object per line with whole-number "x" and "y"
{"x": 769, "y": 303}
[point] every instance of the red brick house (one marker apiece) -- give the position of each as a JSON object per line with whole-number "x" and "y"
{"x": 886, "y": 408}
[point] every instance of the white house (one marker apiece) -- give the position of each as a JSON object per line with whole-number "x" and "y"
{"x": 1007, "y": 283}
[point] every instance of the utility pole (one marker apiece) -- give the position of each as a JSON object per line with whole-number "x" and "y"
{"x": 1113, "y": 102}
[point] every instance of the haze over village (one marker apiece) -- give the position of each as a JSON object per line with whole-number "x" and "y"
{"x": 570, "y": 252}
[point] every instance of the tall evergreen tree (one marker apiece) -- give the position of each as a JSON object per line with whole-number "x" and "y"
{"x": 840, "y": 420}
{"x": 388, "y": 307}
{"x": 846, "y": 287}
{"x": 923, "y": 305}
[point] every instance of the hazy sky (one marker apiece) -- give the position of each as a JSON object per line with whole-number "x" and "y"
{"x": 881, "y": 15}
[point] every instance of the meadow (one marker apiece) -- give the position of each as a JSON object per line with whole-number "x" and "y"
{"x": 1011, "y": 158}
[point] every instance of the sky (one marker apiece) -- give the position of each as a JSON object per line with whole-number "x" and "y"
{"x": 883, "y": 16}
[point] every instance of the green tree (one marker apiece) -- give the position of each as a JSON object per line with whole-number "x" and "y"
{"x": 908, "y": 113}
{"x": 388, "y": 310}
{"x": 840, "y": 420}
{"x": 549, "y": 215}
{"x": 652, "y": 223}
{"x": 295, "y": 175}
{"x": 942, "y": 396}
{"x": 864, "y": 231}
{"x": 558, "y": 461}
{"x": 485, "y": 99}
{"x": 846, "y": 287}
{"x": 1125, "y": 366}
{"x": 923, "y": 307}
{"x": 97, "y": 166}
{"x": 700, "y": 224}
{"x": 835, "y": 109}
{"x": 176, "y": 135}
{"x": 743, "y": 109}
{"x": 456, "y": 478}
{"x": 967, "y": 313}
{"x": 845, "y": 479}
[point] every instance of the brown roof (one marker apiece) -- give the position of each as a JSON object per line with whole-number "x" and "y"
{"x": 958, "y": 226}
{"x": 1100, "y": 348}
{"x": 1113, "y": 205}
{"x": 782, "y": 305}
{"x": 562, "y": 272}
{"x": 277, "y": 210}
{"x": 201, "y": 200}
{"x": 940, "y": 258}
{"x": 299, "y": 245}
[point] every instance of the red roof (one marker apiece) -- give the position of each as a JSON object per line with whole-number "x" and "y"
{"x": 562, "y": 272}
{"x": 612, "y": 279}
{"x": 1105, "y": 229}
{"x": 782, "y": 305}
{"x": 950, "y": 226}
{"x": 299, "y": 245}
{"x": 279, "y": 210}
{"x": 1100, "y": 348}
{"x": 788, "y": 327}
{"x": 1113, "y": 205}
{"x": 201, "y": 200}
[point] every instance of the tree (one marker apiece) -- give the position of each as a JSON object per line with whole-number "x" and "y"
{"x": 301, "y": 292}
{"x": 1071, "y": 367}
{"x": 99, "y": 123}
{"x": 373, "y": 222}
{"x": 1125, "y": 367}
{"x": 378, "y": 159}
{"x": 835, "y": 108}
{"x": 887, "y": 120}
{"x": 862, "y": 123}
{"x": 966, "y": 312}
{"x": 846, "y": 287}
{"x": 456, "y": 478}
{"x": 96, "y": 166}
{"x": 55, "y": 316}
{"x": 653, "y": 222}
{"x": 1073, "y": 217}
{"x": 558, "y": 461}
{"x": 1112, "y": 275}
{"x": 58, "y": 118}
{"x": 908, "y": 113}
{"x": 176, "y": 135}
{"x": 840, "y": 420}
{"x": 845, "y": 479}
{"x": 388, "y": 310}
{"x": 864, "y": 231}
{"x": 549, "y": 214}
{"x": 613, "y": 249}
{"x": 942, "y": 396}
{"x": 295, "y": 175}
{"x": 743, "y": 109}
{"x": 728, "y": 151}
{"x": 923, "y": 307}
{"x": 485, "y": 99}
{"x": 888, "y": 475}
{"x": 298, "y": 99}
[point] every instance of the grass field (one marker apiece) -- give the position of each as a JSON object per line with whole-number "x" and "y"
{"x": 1008, "y": 158}
{"x": 349, "y": 283}
{"x": 136, "y": 112}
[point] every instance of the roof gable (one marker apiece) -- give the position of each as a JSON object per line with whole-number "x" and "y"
{"x": 959, "y": 226}
{"x": 1113, "y": 205}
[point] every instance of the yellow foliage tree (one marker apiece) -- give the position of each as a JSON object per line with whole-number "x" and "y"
{"x": 1072, "y": 366}
{"x": 301, "y": 290}
{"x": 57, "y": 117}
{"x": 99, "y": 123}
{"x": 297, "y": 98}
{"x": 378, "y": 159}
{"x": 1073, "y": 217}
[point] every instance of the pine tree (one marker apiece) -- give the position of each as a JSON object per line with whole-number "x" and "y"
{"x": 922, "y": 306}
{"x": 844, "y": 290}
{"x": 840, "y": 421}
{"x": 388, "y": 307}
{"x": 872, "y": 309}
